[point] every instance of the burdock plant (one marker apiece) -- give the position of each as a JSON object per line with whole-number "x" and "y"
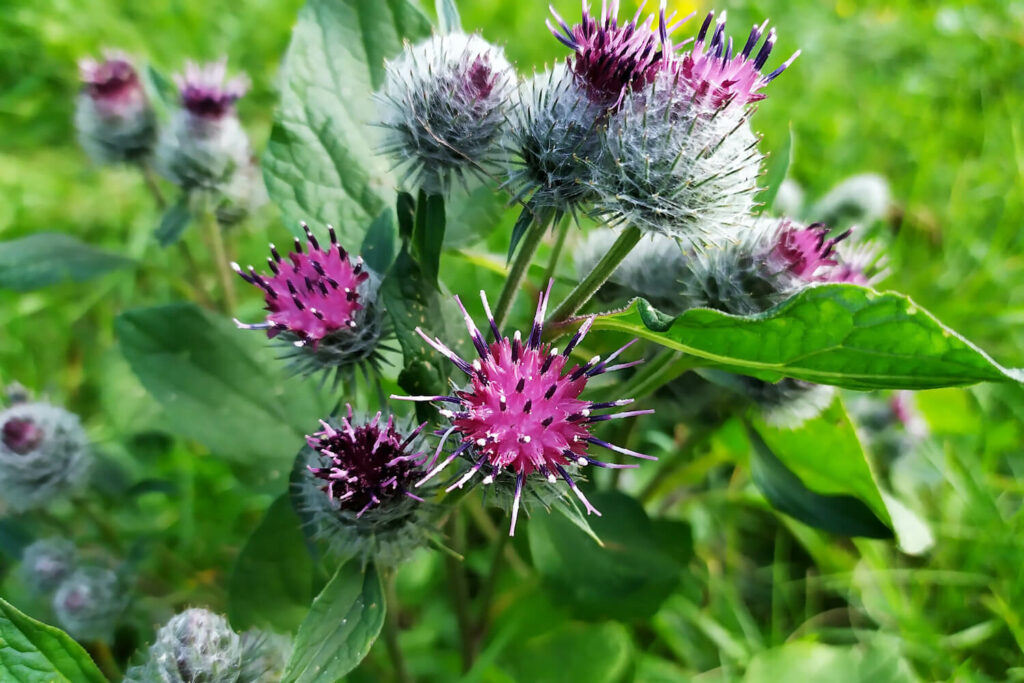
{"x": 89, "y": 603}
{"x": 113, "y": 115}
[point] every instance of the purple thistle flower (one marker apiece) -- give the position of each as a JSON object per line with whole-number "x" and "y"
{"x": 807, "y": 253}
{"x": 521, "y": 412}
{"x": 861, "y": 264}
{"x": 612, "y": 60}
{"x": 205, "y": 90}
{"x": 113, "y": 116}
{"x": 22, "y": 435}
{"x": 365, "y": 465}
{"x": 113, "y": 84}
{"x": 313, "y": 294}
{"x": 720, "y": 77}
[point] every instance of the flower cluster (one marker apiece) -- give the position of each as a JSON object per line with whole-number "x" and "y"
{"x": 198, "y": 645}
{"x": 323, "y": 304}
{"x": 113, "y": 115}
{"x": 89, "y": 603}
{"x": 357, "y": 488}
{"x": 521, "y": 415}
{"x": 44, "y": 455}
{"x": 443, "y": 105}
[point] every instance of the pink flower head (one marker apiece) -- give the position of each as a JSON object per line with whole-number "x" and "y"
{"x": 861, "y": 264}
{"x": 311, "y": 295}
{"x": 21, "y": 435}
{"x": 521, "y": 412}
{"x": 715, "y": 74}
{"x": 807, "y": 252}
{"x": 611, "y": 60}
{"x": 205, "y": 90}
{"x": 113, "y": 84}
{"x": 365, "y": 465}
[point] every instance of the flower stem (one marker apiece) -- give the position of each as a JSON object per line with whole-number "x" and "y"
{"x": 392, "y": 628}
{"x": 682, "y": 455}
{"x": 520, "y": 264}
{"x": 666, "y": 366}
{"x": 154, "y": 189}
{"x": 105, "y": 660}
{"x": 227, "y": 280}
{"x": 459, "y": 586}
{"x": 579, "y": 296}
{"x": 556, "y": 250}
{"x": 487, "y": 592}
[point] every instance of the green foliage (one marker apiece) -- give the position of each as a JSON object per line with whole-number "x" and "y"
{"x": 340, "y": 628}
{"x": 843, "y": 335}
{"x": 47, "y": 258}
{"x": 593, "y": 652}
{"x": 32, "y": 652}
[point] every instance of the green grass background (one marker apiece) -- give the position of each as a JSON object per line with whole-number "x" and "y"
{"x": 928, "y": 94}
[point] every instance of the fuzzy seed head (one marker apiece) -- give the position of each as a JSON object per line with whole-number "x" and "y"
{"x": 113, "y": 116}
{"x": 712, "y": 73}
{"x": 553, "y": 139}
{"x": 520, "y": 417}
{"x": 89, "y": 603}
{"x": 672, "y": 166}
{"x": 358, "y": 485}
{"x": 443, "y": 106}
{"x": 47, "y": 562}
{"x": 610, "y": 60}
{"x": 323, "y": 305}
{"x": 44, "y": 455}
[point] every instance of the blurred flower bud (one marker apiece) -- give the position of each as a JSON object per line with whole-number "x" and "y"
{"x": 44, "y": 455}
{"x": 323, "y": 304}
{"x": 443, "y": 105}
{"x": 46, "y": 563}
{"x": 860, "y": 199}
{"x": 113, "y": 115}
{"x": 357, "y": 492}
{"x": 196, "y": 646}
{"x": 89, "y": 603}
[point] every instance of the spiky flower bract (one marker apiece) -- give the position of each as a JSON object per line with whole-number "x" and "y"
{"x": 521, "y": 418}
{"x": 713, "y": 74}
{"x": 357, "y": 488}
{"x": 195, "y": 646}
{"x": 610, "y": 60}
{"x": 89, "y": 603}
{"x": 323, "y": 304}
{"x": 670, "y": 165}
{"x": 205, "y": 148}
{"x": 46, "y": 563}
{"x": 655, "y": 269}
{"x": 44, "y": 455}
{"x": 553, "y": 141}
{"x": 113, "y": 115}
{"x": 443, "y": 106}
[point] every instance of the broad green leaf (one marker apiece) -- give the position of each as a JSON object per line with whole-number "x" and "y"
{"x": 173, "y": 223}
{"x": 596, "y": 653}
{"x": 837, "y": 334}
{"x": 836, "y": 513}
{"x": 448, "y": 20}
{"x": 628, "y": 578}
{"x": 342, "y": 625}
{"x": 321, "y": 163}
{"x": 32, "y": 652}
{"x": 218, "y": 385}
{"x": 378, "y": 248}
{"x": 778, "y": 167}
{"x": 806, "y": 661}
{"x": 272, "y": 582}
{"x": 49, "y": 258}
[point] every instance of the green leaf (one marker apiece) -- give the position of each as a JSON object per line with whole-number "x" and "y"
{"x": 321, "y": 163}
{"x": 837, "y": 334}
{"x": 836, "y": 513}
{"x": 428, "y": 236}
{"x": 32, "y": 652}
{"x": 628, "y": 578}
{"x": 49, "y": 258}
{"x": 805, "y": 661}
{"x": 173, "y": 223}
{"x": 274, "y": 565}
{"x": 378, "y": 248}
{"x": 218, "y": 385}
{"x": 778, "y": 167}
{"x": 523, "y": 223}
{"x": 596, "y": 653}
{"x": 342, "y": 625}
{"x": 164, "y": 88}
{"x": 448, "y": 20}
